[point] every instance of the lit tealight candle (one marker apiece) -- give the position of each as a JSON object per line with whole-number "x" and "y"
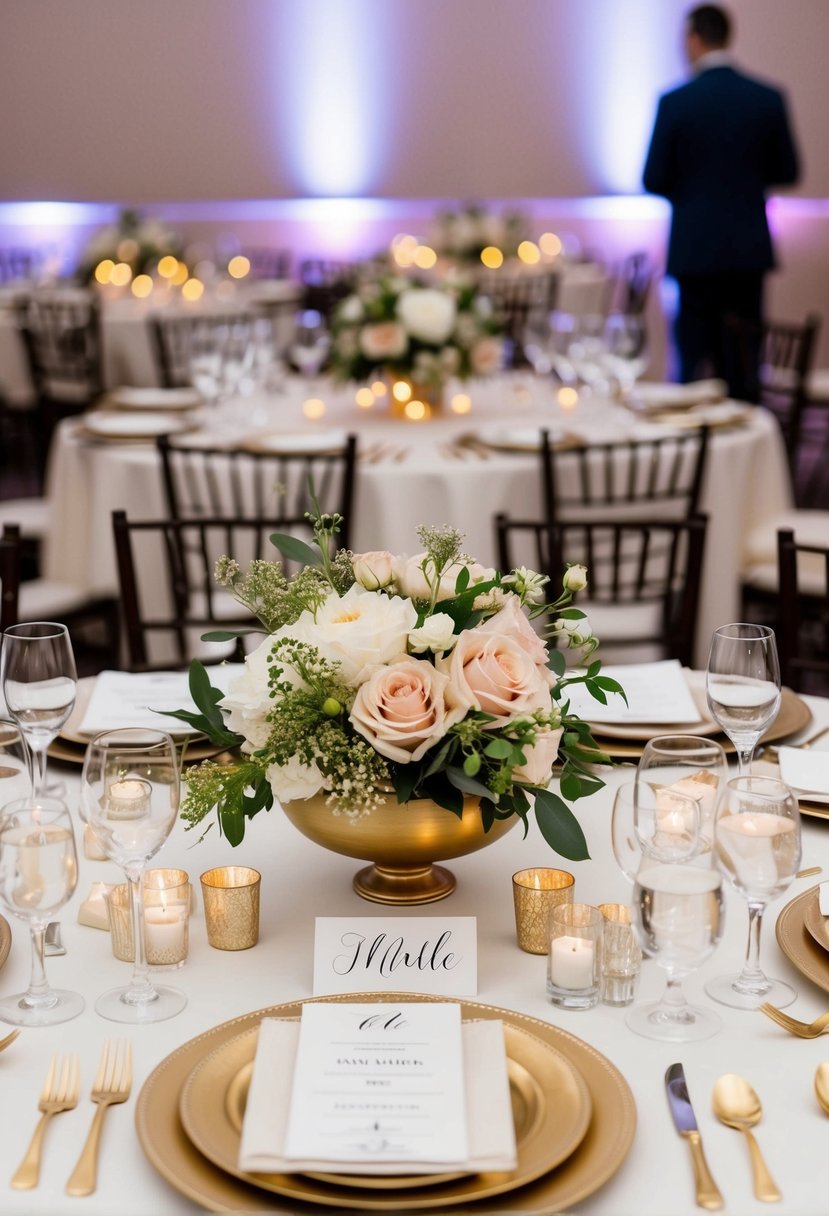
{"x": 674, "y": 815}
{"x": 751, "y": 841}
{"x": 128, "y": 799}
{"x": 571, "y": 962}
{"x": 91, "y": 847}
{"x": 164, "y": 931}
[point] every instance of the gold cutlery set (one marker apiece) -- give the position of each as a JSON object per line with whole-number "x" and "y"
{"x": 60, "y": 1092}
{"x": 382, "y": 453}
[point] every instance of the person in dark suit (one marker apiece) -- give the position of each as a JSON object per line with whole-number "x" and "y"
{"x": 718, "y": 143}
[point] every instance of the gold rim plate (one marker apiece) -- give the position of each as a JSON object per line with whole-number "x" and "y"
{"x": 546, "y": 1134}
{"x": 815, "y": 921}
{"x": 5, "y": 939}
{"x": 797, "y": 943}
{"x": 168, "y": 1148}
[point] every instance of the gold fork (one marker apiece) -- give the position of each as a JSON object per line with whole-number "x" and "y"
{"x": 803, "y": 1030}
{"x": 112, "y": 1085}
{"x": 60, "y": 1092}
{"x": 8, "y": 1040}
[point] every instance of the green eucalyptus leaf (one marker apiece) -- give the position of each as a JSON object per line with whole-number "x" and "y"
{"x": 467, "y": 785}
{"x": 232, "y": 821}
{"x": 559, "y": 826}
{"x": 498, "y": 749}
{"x": 295, "y": 550}
{"x": 228, "y": 635}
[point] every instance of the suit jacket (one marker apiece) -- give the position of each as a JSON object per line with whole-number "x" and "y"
{"x": 718, "y": 143}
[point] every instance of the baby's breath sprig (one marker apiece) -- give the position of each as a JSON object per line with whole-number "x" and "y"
{"x": 443, "y": 549}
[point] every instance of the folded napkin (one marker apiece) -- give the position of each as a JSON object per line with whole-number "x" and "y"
{"x": 490, "y": 1130}
{"x": 823, "y": 898}
{"x": 125, "y": 698}
{"x": 660, "y": 397}
{"x": 807, "y": 772}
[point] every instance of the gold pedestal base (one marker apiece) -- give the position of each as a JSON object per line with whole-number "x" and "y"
{"x": 405, "y": 884}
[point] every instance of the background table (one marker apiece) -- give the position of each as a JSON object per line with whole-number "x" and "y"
{"x": 413, "y": 475}
{"x": 301, "y": 881}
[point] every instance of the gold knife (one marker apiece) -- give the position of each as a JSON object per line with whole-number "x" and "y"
{"x": 708, "y": 1195}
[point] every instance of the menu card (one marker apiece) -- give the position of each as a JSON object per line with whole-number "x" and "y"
{"x": 125, "y": 698}
{"x": 656, "y": 692}
{"x": 805, "y": 771}
{"x": 374, "y": 1083}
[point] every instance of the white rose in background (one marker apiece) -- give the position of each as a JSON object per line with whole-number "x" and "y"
{"x": 427, "y": 314}
{"x": 404, "y": 709}
{"x": 374, "y": 569}
{"x": 386, "y": 340}
{"x": 437, "y": 633}
{"x": 574, "y": 633}
{"x": 248, "y": 699}
{"x": 359, "y": 629}
{"x": 294, "y": 780}
{"x": 575, "y": 578}
{"x": 351, "y": 310}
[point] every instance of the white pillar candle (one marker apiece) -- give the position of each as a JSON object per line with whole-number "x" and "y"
{"x": 91, "y": 848}
{"x": 571, "y": 962}
{"x": 128, "y": 799}
{"x": 164, "y": 929}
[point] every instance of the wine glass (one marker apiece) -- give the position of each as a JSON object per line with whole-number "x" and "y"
{"x": 626, "y": 349}
{"x": 757, "y": 847}
{"x": 686, "y": 764}
{"x": 649, "y": 827}
{"x": 678, "y": 918}
{"x": 15, "y": 764}
{"x": 39, "y": 684}
{"x": 537, "y": 341}
{"x": 38, "y": 874}
{"x": 311, "y": 342}
{"x": 742, "y": 685}
{"x": 587, "y": 351}
{"x": 130, "y": 797}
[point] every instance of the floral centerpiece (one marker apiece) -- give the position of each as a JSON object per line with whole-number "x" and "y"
{"x": 464, "y": 232}
{"x": 384, "y": 680}
{"x": 138, "y": 241}
{"x": 398, "y": 326}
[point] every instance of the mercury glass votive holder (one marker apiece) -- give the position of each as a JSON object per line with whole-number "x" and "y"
{"x": 574, "y": 956}
{"x": 621, "y": 957}
{"x": 231, "y": 907}
{"x": 167, "y": 902}
{"x": 535, "y": 893}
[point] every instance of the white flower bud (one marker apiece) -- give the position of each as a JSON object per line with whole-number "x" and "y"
{"x": 575, "y": 578}
{"x": 436, "y": 634}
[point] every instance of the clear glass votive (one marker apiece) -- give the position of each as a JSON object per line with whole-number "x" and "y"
{"x": 167, "y": 900}
{"x": 574, "y": 956}
{"x": 231, "y": 907}
{"x": 621, "y": 956}
{"x": 535, "y": 893}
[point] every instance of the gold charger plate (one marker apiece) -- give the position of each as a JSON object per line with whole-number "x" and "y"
{"x": 815, "y": 921}
{"x": 546, "y": 1133}
{"x": 795, "y": 940}
{"x": 598, "y": 1157}
{"x": 687, "y": 418}
{"x": 5, "y": 939}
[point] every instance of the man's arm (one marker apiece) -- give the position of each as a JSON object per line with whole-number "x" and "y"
{"x": 782, "y": 167}
{"x": 657, "y": 177}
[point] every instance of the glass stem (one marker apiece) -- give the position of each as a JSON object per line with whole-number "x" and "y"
{"x": 744, "y": 758}
{"x": 751, "y": 978}
{"x": 673, "y": 996}
{"x": 140, "y": 991}
{"x": 39, "y": 995}
{"x": 38, "y": 771}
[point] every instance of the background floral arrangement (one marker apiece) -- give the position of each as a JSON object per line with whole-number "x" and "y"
{"x": 135, "y": 240}
{"x": 463, "y": 233}
{"x": 398, "y": 325}
{"x": 393, "y": 677}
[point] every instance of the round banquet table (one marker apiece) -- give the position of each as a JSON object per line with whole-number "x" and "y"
{"x": 412, "y": 473}
{"x": 301, "y": 881}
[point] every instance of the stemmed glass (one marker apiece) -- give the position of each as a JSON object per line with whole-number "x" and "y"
{"x": 757, "y": 846}
{"x": 690, "y": 765}
{"x": 39, "y": 684}
{"x": 130, "y": 798}
{"x": 626, "y": 349}
{"x": 742, "y": 685}
{"x": 311, "y": 342}
{"x": 647, "y": 829}
{"x": 38, "y": 874}
{"x": 15, "y": 764}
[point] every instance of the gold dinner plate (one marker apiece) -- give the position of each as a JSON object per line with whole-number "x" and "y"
{"x": 546, "y": 1132}
{"x": 815, "y": 921}
{"x": 794, "y": 937}
{"x": 598, "y": 1157}
{"x": 709, "y": 415}
{"x": 5, "y": 939}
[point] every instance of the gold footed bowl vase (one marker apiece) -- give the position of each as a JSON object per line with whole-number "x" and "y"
{"x": 402, "y": 840}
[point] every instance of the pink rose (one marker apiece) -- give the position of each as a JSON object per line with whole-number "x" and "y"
{"x": 494, "y": 673}
{"x": 385, "y": 340}
{"x": 541, "y": 756}
{"x": 403, "y": 709}
{"x": 512, "y": 620}
{"x": 374, "y": 569}
{"x": 485, "y": 357}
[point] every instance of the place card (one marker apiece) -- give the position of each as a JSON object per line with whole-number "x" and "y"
{"x": 377, "y": 1083}
{"x": 656, "y": 692}
{"x": 436, "y": 955}
{"x": 805, "y": 771}
{"x": 127, "y": 699}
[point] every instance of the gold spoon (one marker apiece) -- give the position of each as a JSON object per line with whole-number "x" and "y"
{"x": 737, "y": 1105}
{"x": 822, "y": 1085}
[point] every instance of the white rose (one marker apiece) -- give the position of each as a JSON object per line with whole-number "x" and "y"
{"x": 294, "y": 780}
{"x": 427, "y": 314}
{"x": 412, "y": 581}
{"x": 574, "y": 633}
{"x": 359, "y": 630}
{"x": 437, "y": 633}
{"x": 248, "y": 701}
{"x": 351, "y": 309}
{"x": 373, "y": 570}
{"x": 575, "y": 578}
{"x": 385, "y": 340}
{"x": 541, "y": 756}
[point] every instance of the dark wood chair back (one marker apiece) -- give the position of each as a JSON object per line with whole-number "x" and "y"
{"x": 644, "y": 575}
{"x": 519, "y": 301}
{"x": 325, "y": 283}
{"x": 177, "y": 340}
{"x": 803, "y": 612}
{"x": 10, "y": 563}
{"x": 270, "y": 490}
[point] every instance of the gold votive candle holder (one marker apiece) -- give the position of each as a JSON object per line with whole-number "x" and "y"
{"x": 621, "y": 956}
{"x": 231, "y": 906}
{"x": 535, "y": 893}
{"x": 167, "y": 900}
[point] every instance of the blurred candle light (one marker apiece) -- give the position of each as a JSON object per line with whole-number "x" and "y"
{"x": 401, "y": 391}
{"x": 103, "y": 271}
{"x": 168, "y": 266}
{"x": 238, "y": 267}
{"x": 121, "y": 274}
{"x": 492, "y": 257}
{"x": 461, "y": 403}
{"x": 313, "y": 408}
{"x": 180, "y": 275}
{"x": 568, "y": 397}
{"x": 550, "y": 244}
{"x": 424, "y": 257}
{"x": 193, "y": 289}
{"x": 529, "y": 253}
{"x": 142, "y": 285}
{"x": 403, "y": 248}
{"x": 378, "y": 387}
{"x": 364, "y": 398}
{"x": 128, "y": 249}
{"x": 416, "y": 411}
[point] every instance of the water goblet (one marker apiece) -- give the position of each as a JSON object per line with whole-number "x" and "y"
{"x": 757, "y": 847}
{"x": 649, "y": 830}
{"x": 130, "y": 798}
{"x": 311, "y": 342}
{"x": 690, "y": 765}
{"x": 38, "y": 874}
{"x": 678, "y": 918}
{"x": 626, "y": 350}
{"x": 39, "y": 684}
{"x": 742, "y": 685}
{"x": 15, "y": 764}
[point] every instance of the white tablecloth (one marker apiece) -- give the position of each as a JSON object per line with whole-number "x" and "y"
{"x": 300, "y": 881}
{"x": 415, "y": 479}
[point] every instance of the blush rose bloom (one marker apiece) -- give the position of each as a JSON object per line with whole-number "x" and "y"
{"x": 541, "y": 756}
{"x": 373, "y": 570}
{"x": 427, "y": 314}
{"x": 494, "y": 673}
{"x": 386, "y": 340}
{"x": 512, "y": 621}
{"x": 412, "y": 581}
{"x": 403, "y": 709}
{"x": 294, "y": 780}
{"x": 485, "y": 357}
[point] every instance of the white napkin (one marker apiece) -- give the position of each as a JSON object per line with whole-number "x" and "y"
{"x": 653, "y": 396}
{"x": 124, "y": 698}
{"x": 823, "y": 898}
{"x": 656, "y": 693}
{"x": 807, "y": 772}
{"x": 490, "y": 1130}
